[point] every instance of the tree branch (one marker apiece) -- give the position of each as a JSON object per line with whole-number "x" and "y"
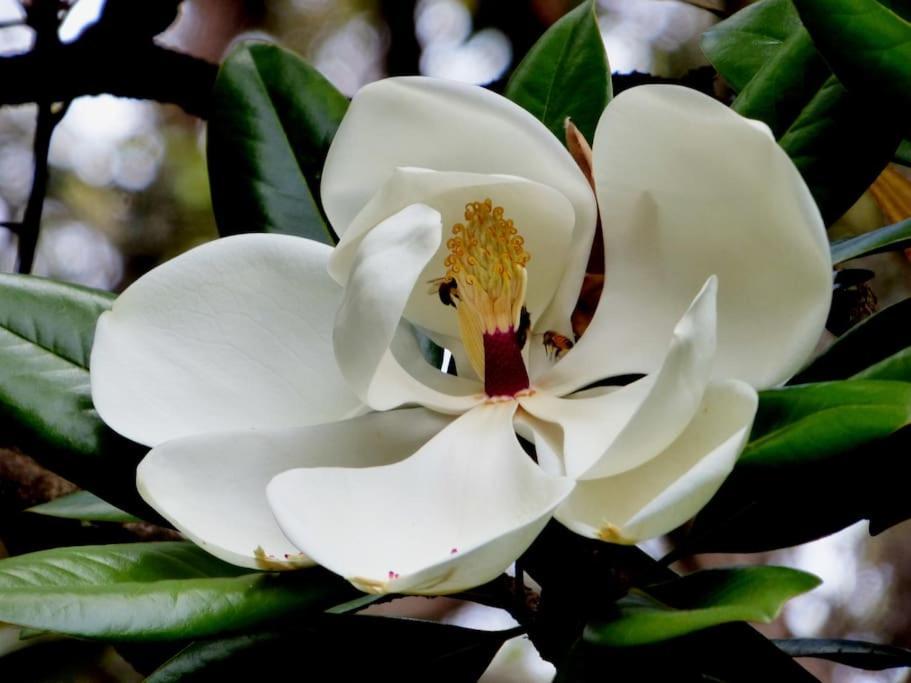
{"x": 30, "y": 226}
{"x": 116, "y": 55}
{"x": 95, "y": 65}
{"x": 44, "y": 17}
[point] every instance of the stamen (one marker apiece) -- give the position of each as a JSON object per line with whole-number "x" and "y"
{"x": 487, "y": 258}
{"x": 486, "y": 281}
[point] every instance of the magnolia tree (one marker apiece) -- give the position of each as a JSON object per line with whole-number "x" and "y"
{"x": 480, "y": 345}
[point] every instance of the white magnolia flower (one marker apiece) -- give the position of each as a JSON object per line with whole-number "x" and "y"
{"x": 291, "y": 413}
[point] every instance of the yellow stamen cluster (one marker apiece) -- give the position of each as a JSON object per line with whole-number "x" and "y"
{"x": 487, "y": 259}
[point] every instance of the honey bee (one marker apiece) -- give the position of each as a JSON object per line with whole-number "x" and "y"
{"x": 446, "y": 288}
{"x": 556, "y": 344}
{"x": 524, "y": 326}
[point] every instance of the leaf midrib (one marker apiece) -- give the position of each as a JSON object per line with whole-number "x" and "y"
{"x": 558, "y": 67}
{"x": 4, "y": 326}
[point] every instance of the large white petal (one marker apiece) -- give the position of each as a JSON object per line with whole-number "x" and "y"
{"x": 235, "y": 333}
{"x": 620, "y": 430}
{"x": 452, "y": 516}
{"x": 406, "y": 349}
{"x": 388, "y": 263}
{"x": 449, "y": 126}
{"x": 547, "y": 438}
{"x": 212, "y": 487}
{"x": 688, "y": 188}
{"x": 666, "y": 491}
{"x": 542, "y": 215}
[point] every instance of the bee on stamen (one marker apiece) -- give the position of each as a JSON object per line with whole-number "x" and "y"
{"x": 556, "y": 344}
{"x": 446, "y": 288}
{"x": 523, "y": 328}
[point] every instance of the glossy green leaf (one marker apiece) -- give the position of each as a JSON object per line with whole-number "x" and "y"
{"x": 840, "y": 145}
{"x": 896, "y": 367}
{"x": 430, "y": 350}
{"x": 354, "y": 605}
{"x": 867, "y": 44}
{"x": 801, "y": 424}
{"x": 273, "y": 118}
{"x": 29, "y": 304}
{"x": 388, "y": 649}
{"x": 889, "y": 238}
{"x": 873, "y": 340}
{"x": 856, "y": 653}
{"x": 887, "y": 501}
{"x": 220, "y": 659}
{"x": 888, "y": 505}
{"x": 837, "y": 141}
{"x": 821, "y": 457}
{"x": 762, "y": 508}
{"x": 583, "y": 578}
{"x": 699, "y": 601}
{"x": 46, "y": 333}
{"x": 84, "y": 506}
{"x": 741, "y": 45}
{"x": 732, "y": 653}
{"x": 565, "y": 74}
{"x": 786, "y": 84}
{"x": 153, "y": 591}
{"x": 903, "y": 153}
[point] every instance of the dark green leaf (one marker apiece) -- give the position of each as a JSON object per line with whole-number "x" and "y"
{"x": 840, "y": 145}
{"x": 873, "y": 340}
{"x": 887, "y": 503}
{"x": 903, "y": 153}
{"x": 856, "y": 653}
{"x": 731, "y": 653}
{"x": 46, "y": 333}
{"x": 153, "y": 591}
{"x": 354, "y": 605}
{"x": 837, "y": 141}
{"x": 786, "y": 84}
{"x": 822, "y": 457}
{"x": 388, "y": 649}
{"x": 565, "y": 74}
{"x": 698, "y": 601}
{"x": 272, "y": 121}
{"x": 431, "y": 351}
{"x": 29, "y": 304}
{"x": 889, "y": 238}
{"x": 896, "y": 367}
{"x": 222, "y": 659}
{"x": 583, "y": 578}
{"x": 886, "y": 496}
{"x": 867, "y": 44}
{"x": 84, "y": 506}
{"x": 761, "y": 508}
{"x": 802, "y": 424}
{"x": 741, "y": 45}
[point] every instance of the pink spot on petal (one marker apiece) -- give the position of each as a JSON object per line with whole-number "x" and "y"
{"x": 453, "y": 551}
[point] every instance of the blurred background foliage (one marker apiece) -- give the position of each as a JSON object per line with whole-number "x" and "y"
{"x": 129, "y": 189}
{"x": 128, "y": 181}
